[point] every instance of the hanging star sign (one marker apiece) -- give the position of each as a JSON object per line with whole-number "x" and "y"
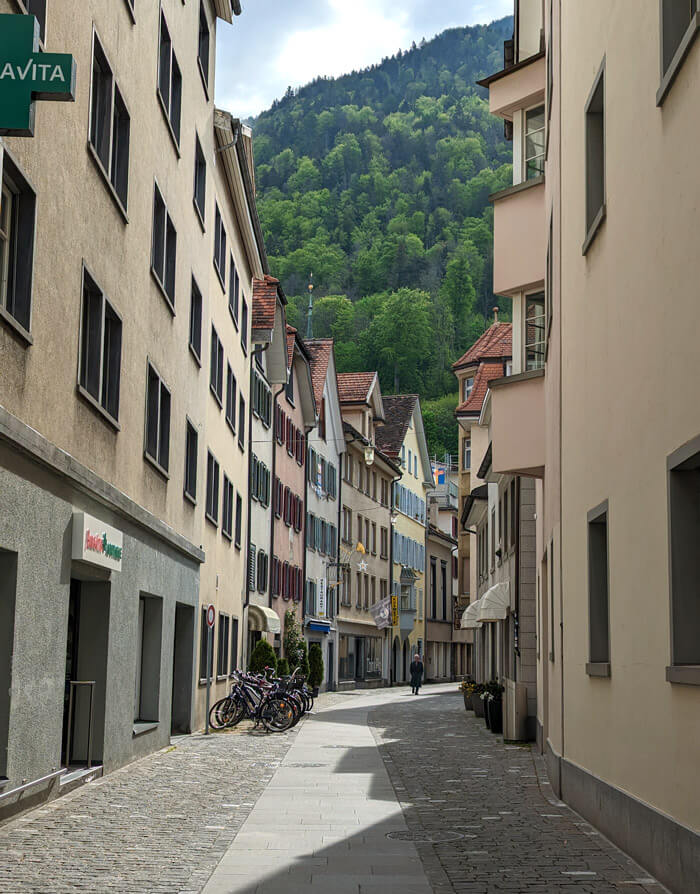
{"x": 363, "y": 566}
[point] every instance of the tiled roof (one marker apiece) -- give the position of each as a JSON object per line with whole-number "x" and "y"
{"x": 265, "y": 292}
{"x": 320, "y": 350}
{"x": 485, "y": 373}
{"x": 291, "y": 334}
{"x": 354, "y": 387}
{"x": 495, "y": 344}
{"x": 398, "y": 409}
{"x": 355, "y": 435}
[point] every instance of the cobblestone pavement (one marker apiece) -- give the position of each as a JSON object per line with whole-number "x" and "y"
{"x": 453, "y": 776}
{"x": 160, "y": 824}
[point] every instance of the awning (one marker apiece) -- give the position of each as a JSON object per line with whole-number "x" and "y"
{"x": 269, "y": 619}
{"x": 469, "y": 616}
{"x": 495, "y": 603}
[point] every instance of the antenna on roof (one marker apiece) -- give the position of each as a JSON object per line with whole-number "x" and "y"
{"x": 310, "y": 309}
{"x": 495, "y": 315}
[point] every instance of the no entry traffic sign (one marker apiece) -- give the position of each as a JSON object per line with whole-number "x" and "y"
{"x": 211, "y": 615}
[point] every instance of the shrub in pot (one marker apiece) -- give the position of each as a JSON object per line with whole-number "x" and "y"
{"x": 477, "y": 700}
{"x": 467, "y": 688}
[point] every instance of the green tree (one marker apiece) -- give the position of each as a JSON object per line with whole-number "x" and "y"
{"x": 262, "y": 656}
{"x": 316, "y": 669}
{"x": 294, "y": 645}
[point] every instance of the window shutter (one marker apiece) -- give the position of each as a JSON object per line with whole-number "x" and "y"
{"x": 251, "y": 567}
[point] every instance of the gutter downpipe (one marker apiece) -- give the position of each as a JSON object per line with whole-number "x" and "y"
{"x": 275, "y": 445}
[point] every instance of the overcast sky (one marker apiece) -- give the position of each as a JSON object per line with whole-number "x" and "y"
{"x": 277, "y": 43}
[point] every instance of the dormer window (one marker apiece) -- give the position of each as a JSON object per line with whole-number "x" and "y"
{"x": 468, "y": 385}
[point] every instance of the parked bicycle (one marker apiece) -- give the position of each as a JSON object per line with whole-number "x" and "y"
{"x": 275, "y": 703}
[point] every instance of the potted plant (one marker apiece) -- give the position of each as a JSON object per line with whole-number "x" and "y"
{"x": 478, "y": 699}
{"x": 467, "y": 688}
{"x": 495, "y": 706}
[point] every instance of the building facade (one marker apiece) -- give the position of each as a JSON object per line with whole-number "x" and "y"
{"x": 103, "y": 464}
{"x": 363, "y": 649}
{"x": 325, "y": 449}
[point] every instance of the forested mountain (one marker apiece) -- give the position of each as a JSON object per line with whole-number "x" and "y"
{"x": 378, "y": 183}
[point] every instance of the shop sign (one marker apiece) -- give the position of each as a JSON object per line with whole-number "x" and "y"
{"x": 321, "y": 597}
{"x": 395, "y": 610}
{"x": 96, "y": 543}
{"x": 28, "y": 75}
{"x": 381, "y": 612}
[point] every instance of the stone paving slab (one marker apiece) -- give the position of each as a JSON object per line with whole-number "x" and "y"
{"x": 453, "y": 776}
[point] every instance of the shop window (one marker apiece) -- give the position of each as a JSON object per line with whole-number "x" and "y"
{"x": 227, "y": 510}
{"x": 212, "y": 507}
{"x": 684, "y": 526}
{"x": 595, "y": 158}
{"x": 157, "y": 420}
{"x": 598, "y": 592}
{"x": 191, "y": 442}
{"x": 203, "y": 46}
{"x": 222, "y": 665}
{"x": 679, "y": 28}
{"x": 200, "y": 180}
{"x": 149, "y": 636}
{"x": 196, "y": 321}
{"x": 110, "y": 124}
{"x": 231, "y": 391}
{"x": 17, "y": 214}
{"x": 203, "y": 636}
{"x": 169, "y": 82}
{"x": 219, "y": 246}
{"x": 234, "y": 291}
{"x": 100, "y": 349}
{"x": 216, "y": 367}
{"x": 164, "y": 248}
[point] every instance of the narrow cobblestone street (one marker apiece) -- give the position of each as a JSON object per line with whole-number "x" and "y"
{"x": 376, "y": 792}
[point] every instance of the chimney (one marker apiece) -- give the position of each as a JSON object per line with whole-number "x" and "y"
{"x": 495, "y": 315}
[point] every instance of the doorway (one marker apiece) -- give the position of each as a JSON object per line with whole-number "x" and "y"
{"x": 405, "y": 661}
{"x": 183, "y": 656}
{"x": 330, "y": 673}
{"x": 85, "y": 687}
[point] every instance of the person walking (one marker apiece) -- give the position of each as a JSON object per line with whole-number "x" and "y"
{"x": 416, "y": 673}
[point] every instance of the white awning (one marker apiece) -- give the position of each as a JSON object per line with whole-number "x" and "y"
{"x": 495, "y": 603}
{"x": 469, "y": 616}
{"x": 269, "y": 619}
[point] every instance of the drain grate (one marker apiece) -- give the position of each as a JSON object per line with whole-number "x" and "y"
{"x": 435, "y": 837}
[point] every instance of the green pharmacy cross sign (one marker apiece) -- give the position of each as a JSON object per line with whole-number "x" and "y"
{"x": 27, "y": 75}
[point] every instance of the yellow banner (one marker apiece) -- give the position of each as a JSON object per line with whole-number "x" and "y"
{"x": 395, "y": 610}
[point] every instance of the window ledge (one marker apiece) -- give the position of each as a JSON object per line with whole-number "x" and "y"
{"x": 189, "y": 498}
{"x": 233, "y": 317}
{"x": 200, "y": 216}
{"x": 231, "y": 425}
{"x": 166, "y": 116}
{"x": 204, "y": 78}
{"x": 241, "y": 445}
{"x": 228, "y": 535}
{"x": 203, "y": 681}
{"x": 212, "y": 520}
{"x": 219, "y": 400}
{"x": 593, "y": 231}
{"x": 141, "y": 727}
{"x": 684, "y": 46}
{"x": 598, "y": 668}
{"x": 221, "y": 677}
{"x": 131, "y": 11}
{"x": 237, "y": 544}
{"x": 98, "y": 407}
{"x": 689, "y": 674}
{"x": 107, "y": 182}
{"x": 17, "y": 328}
{"x": 516, "y": 188}
{"x": 220, "y": 277}
{"x": 156, "y": 465}
{"x": 161, "y": 289}
{"x": 195, "y": 355}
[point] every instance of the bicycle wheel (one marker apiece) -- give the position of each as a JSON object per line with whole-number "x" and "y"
{"x": 219, "y": 712}
{"x": 277, "y": 714}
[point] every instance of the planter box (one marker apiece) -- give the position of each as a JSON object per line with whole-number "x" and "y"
{"x": 468, "y": 702}
{"x": 496, "y": 716}
{"x": 478, "y": 705}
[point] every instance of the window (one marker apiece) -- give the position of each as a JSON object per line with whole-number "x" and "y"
{"x": 164, "y": 247}
{"x": 17, "y": 212}
{"x": 534, "y": 143}
{"x": 219, "y": 246}
{"x": 262, "y": 571}
{"x": 100, "y": 349}
{"x": 684, "y": 522}
{"x": 415, "y": 466}
{"x": 191, "y": 441}
{"x": 38, "y": 8}
{"x": 239, "y": 520}
{"x": 234, "y": 292}
{"x": 466, "y": 453}
{"x": 203, "y": 637}
{"x": 148, "y": 637}
{"x": 224, "y": 638}
{"x": 374, "y": 591}
{"x": 216, "y": 369}
{"x": 244, "y": 326}
{"x": 358, "y": 597}
{"x": 679, "y": 27}
{"x": 110, "y": 125}
{"x": 513, "y": 514}
{"x": 534, "y": 331}
{"x": 322, "y": 420}
{"x": 385, "y": 492}
{"x": 212, "y": 507}
{"x": 196, "y": 321}
{"x": 347, "y": 524}
{"x": 130, "y": 6}
{"x": 374, "y": 538}
{"x": 169, "y": 81}
{"x": 157, "y": 420}
{"x": 384, "y": 543}
{"x": 227, "y": 513}
{"x": 241, "y": 421}
{"x": 203, "y": 47}
{"x": 598, "y": 597}
{"x": 234, "y": 644}
{"x": 230, "y": 398}
{"x": 200, "y": 180}
{"x": 595, "y": 158}
{"x": 289, "y": 389}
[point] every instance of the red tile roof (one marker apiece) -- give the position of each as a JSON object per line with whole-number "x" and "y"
{"x": 265, "y": 294}
{"x": 398, "y": 409}
{"x": 485, "y": 373}
{"x": 495, "y": 344}
{"x": 320, "y": 350}
{"x": 291, "y": 335}
{"x": 354, "y": 387}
